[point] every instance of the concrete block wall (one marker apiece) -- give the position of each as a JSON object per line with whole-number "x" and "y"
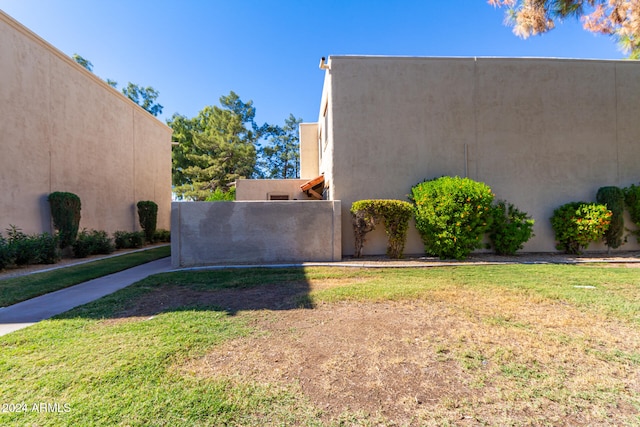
{"x": 209, "y": 233}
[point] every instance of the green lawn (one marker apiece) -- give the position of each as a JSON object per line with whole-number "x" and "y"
{"x": 14, "y": 290}
{"x": 103, "y": 368}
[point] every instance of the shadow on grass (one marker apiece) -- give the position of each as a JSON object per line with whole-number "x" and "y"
{"x": 230, "y": 291}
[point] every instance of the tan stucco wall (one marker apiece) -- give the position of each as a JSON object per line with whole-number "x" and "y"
{"x": 309, "y": 153}
{"x": 261, "y": 189}
{"x": 64, "y": 129}
{"x": 540, "y": 132}
{"x": 206, "y": 233}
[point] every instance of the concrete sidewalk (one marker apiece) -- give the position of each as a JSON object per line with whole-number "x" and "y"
{"x": 28, "y": 312}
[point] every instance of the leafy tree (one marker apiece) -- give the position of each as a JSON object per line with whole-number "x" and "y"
{"x": 82, "y": 61}
{"x": 143, "y": 96}
{"x": 281, "y": 157}
{"x": 215, "y": 148}
{"x": 619, "y": 18}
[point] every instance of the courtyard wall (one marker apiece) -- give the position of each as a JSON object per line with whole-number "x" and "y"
{"x": 209, "y": 233}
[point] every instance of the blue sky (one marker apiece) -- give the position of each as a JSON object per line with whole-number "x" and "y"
{"x": 193, "y": 52}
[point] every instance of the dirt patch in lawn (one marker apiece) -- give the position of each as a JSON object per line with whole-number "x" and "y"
{"x": 455, "y": 357}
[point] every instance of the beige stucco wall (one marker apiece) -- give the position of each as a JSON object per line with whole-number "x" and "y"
{"x": 261, "y": 189}
{"x": 206, "y": 233}
{"x": 64, "y": 129}
{"x": 540, "y": 132}
{"x": 309, "y": 153}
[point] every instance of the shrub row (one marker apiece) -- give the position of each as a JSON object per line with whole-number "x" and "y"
{"x": 453, "y": 215}
{"x": 22, "y": 249}
{"x": 65, "y": 213}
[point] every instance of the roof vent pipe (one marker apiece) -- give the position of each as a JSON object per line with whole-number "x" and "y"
{"x": 322, "y": 65}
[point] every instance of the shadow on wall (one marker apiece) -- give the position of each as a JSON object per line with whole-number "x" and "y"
{"x": 43, "y": 204}
{"x": 228, "y": 290}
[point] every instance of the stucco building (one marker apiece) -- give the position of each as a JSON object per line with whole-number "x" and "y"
{"x": 64, "y": 129}
{"x": 539, "y": 132}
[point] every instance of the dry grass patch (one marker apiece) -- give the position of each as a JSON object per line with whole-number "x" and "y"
{"x": 456, "y": 356}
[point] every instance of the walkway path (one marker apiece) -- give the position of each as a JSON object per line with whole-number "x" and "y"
{"x": 28, "y": 312}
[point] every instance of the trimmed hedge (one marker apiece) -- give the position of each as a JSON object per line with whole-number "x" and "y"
{"x": 632, "y": 201}
{"x": 65, "y": 212}
{"x": 395, "y": 214}
{"x": 613, "y": 199}
{"x": 452, "y": 215}
{"x": 148, "y": 217}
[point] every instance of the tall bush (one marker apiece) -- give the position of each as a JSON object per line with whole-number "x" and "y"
{"x": 395, "y": 214}
{"x": 510, "y": 228}
{"x": 65, "y": 212}
{"x": 148, "y": 216}
{"x": 452, "y": 215}
{"x": 577, "y": 224}
{"x": 613, "y": 198}
{"x": 632, "y": 200}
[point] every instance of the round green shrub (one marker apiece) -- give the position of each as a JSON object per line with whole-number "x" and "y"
{"x": 613, "y": 199}
{"x": 510, "y": 228}
{"x": 452, "y": 215}
{"x": 577, "y": 224}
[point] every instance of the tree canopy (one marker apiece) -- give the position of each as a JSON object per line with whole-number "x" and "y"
{"x": 224, "y": 143}
{"x": 619, "y": 18}
{"x": 82, "y": 61}
{"x": 215, "y": 148}
{"x": 143, "y": 96}
{"x": 280, "y": 157}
